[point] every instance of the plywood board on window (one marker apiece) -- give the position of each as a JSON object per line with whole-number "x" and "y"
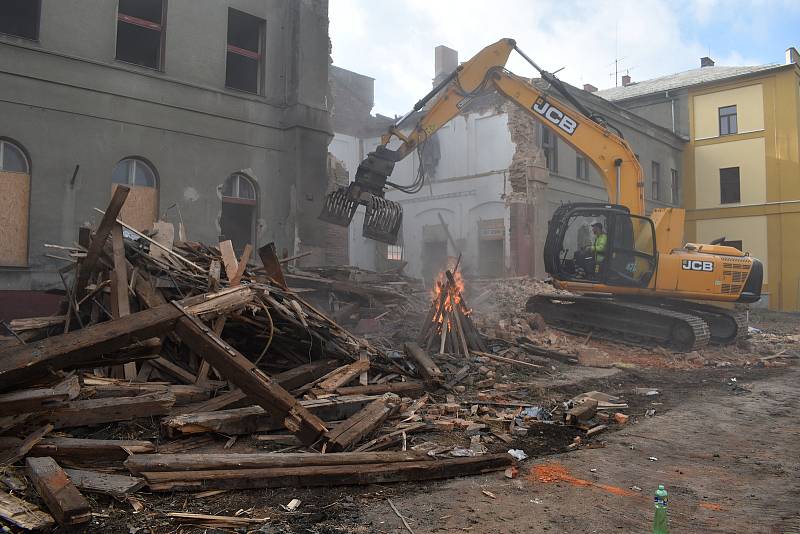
{"x": 141, "y": 207}
{"x": 15, "y": 195}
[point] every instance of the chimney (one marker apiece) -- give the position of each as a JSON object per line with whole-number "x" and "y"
{"x": 706, "y": 62}
{"x": 446, "y": 61}
{"x": 792, "y": 56}
{"x": 626, "y": 80}
{"x": 589, "y": 88}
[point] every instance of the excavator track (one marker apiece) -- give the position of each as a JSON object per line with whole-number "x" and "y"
{"x": 627, "y": 322}
{"x": 726, "y": 326}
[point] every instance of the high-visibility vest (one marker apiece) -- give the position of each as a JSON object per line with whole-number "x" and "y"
{"x": 599, "y": 248}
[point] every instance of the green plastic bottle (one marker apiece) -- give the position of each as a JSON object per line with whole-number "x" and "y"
{"x": 660, "y": 519}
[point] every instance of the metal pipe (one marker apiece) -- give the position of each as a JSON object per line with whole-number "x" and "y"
{"x": 618, "y": 165}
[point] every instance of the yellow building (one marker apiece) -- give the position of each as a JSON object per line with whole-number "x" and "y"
{"x": 741, "y": 163}
{"x": 742, "y": 169}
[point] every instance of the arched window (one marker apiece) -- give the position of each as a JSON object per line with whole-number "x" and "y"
{"x": 12, "y": 158}
{"x": 238, "y": 187}
{"x": 239, "y": 205}
{"x": 141, "y": 207}
{"x": 15, "y": 195}
{"x": 134, "y": 172}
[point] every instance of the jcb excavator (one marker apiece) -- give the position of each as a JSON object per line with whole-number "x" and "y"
{"x": 636, "y": 280}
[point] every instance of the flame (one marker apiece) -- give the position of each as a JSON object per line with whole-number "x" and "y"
{"x": 454, "y": 297}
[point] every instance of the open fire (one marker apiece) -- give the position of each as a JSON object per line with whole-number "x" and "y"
{"x": 449, "y": 326}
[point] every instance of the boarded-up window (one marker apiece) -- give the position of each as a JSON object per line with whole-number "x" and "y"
{"x": 141, "y": 206}
{"x": 15, "y": 192}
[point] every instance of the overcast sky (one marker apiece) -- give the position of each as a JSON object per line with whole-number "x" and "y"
{"x": 393, "y": 40}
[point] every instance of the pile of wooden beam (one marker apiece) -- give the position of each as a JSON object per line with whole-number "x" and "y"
{"x": 449, "y": 326}
{"x": 195, "y": 339}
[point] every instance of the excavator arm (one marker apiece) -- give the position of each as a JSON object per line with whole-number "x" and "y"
{"x": 485, "y": 72}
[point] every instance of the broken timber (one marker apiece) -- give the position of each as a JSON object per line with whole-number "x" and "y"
{"x": 427, "y": 368}
{"x": 249, "y": 378}
{"x": 141, "y": 463}
{"x": 361, "y": 424}
{"x": 118, "y": 486}
{"x": 63, "y": 499}
{"x": 326, "y": 475}
{"x": 23, "y": 514}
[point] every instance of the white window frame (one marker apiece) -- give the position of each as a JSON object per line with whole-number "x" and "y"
{"x": 132, "y": 172}
{"x": 3, "y": 143}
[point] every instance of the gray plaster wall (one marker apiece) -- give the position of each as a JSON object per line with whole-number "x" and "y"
{"x": 668, "y": 109}
{"x": 67, "y": 102}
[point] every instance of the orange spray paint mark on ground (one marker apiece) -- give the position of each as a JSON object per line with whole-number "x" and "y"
{"x": 555, "y": 472}
{"x": 711, "y": 506}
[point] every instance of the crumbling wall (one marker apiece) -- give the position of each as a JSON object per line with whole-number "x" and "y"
{"x": 527, "y": 200}
{"x": 337, "y": 251}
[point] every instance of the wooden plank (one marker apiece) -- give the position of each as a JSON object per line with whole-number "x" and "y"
{"x": 237, "y": 277}
{"x": 184, "y": 394}
{"x": 361, "y": 424}
{"x": 26, "y": 445}
{"x": 107, "y": 223}
{"x": 174, "y": 370}
{"x": 306, "y": 373}
{"x": 77, "y": 450}
{"x": 99, "y": 411}
{"x": 250, "y": 379}
{"x": 216, "y": 522}
{"x": 217, "y": 403}
{"x": 118, "y": 486}
{"x": 205, "y": 367}
{"x": 330, "y": 475}
{"x": 255, "y": 419}
{"x": 40, "y": 399}
{"x": 24, "y": 514}
{"x": 228, "y": 259}
{"x": 26, "y": 363}
{"x": 272, "y": 266}
{"x": 62, "y": 498}
{"x": 344, "y": 375}
{"x": 406, "y": 388}
{"x": 387, "y": 440}
{"x": 427, "y": 368}
{"x": 141, "y": 463}
{"x": 120, "y": 301}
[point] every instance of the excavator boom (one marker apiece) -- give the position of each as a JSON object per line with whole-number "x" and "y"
{"x": 482, "y": 74}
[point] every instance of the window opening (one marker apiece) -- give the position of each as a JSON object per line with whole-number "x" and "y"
{"x": 140, "y": 32}
{"x": 20, "y": 18}
{"x": 245, "y": 43}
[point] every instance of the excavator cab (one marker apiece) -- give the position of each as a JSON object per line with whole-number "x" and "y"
{"x": 600, "y": 244}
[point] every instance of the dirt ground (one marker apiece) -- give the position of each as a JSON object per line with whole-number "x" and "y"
{"x": 722, "y": 439}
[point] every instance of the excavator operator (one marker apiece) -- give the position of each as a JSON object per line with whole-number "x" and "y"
{"x": 599, "y": 245}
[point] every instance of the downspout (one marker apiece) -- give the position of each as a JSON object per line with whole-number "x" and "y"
{"x": 672, "y": 106}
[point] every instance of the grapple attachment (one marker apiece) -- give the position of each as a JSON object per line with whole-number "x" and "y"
{"x": 339, "y": 208}
{"x": 384, "y": 218}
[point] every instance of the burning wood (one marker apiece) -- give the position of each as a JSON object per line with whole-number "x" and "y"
{"x": 449, "y": 323}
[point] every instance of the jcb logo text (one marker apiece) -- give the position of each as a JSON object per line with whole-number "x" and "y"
{"x": 555, "y": 115}
{"x": 694, "y": 265}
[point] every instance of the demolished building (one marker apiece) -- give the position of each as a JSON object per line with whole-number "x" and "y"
{"x": 494, "y": 176}
{"x": 207, "y": 110}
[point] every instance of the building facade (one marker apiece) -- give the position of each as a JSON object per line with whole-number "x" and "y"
{"x": 214, "y": 112}
{"x": 494, "y": 175}
{"x": 742, "y": 163}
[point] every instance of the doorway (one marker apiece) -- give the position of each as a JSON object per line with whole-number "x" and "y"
{"x": 238, "y": 219}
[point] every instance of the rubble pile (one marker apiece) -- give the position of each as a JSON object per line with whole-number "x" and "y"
{"x": 196, "y": 338}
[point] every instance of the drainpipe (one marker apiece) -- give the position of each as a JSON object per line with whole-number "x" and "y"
{"x": 672, "y": 105}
